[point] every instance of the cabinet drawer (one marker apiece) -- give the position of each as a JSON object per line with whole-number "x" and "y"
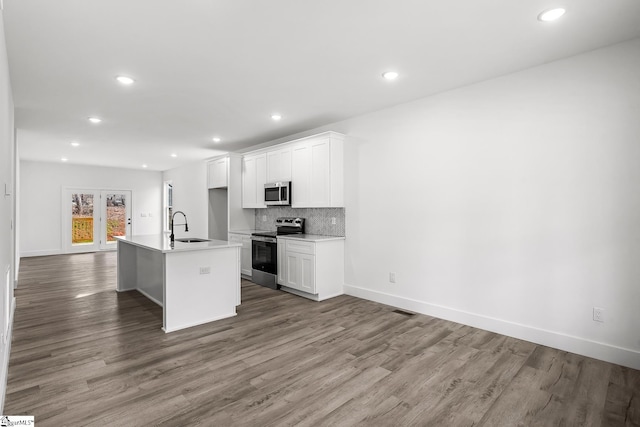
{"x": 301, "y": 247}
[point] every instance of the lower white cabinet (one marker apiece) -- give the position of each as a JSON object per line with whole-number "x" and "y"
{"x": 311, "y": 268}
{"x": 300, "y": 271}
{"x": 245, "y": 254}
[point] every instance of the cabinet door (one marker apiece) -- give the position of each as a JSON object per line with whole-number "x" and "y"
{"x": 307, "y": 273}
{"x": 254, "y": 175}
{"x": 246, "y": 256}
{"x": 249, "y": 195}
{"x": 311, "y": 179}
{"x": 320, "y": 179}
{"x": 217, "y": 173}
{"x": 261, "y": 180}
{"x": 300, "y": 272}
{"x": 291, "y": 270}
{"x": 282, "y": 264}
{"x": 300, "y": 176}
{"x": 279, "y": 165}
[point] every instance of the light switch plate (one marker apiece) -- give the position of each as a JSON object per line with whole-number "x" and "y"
{"x": 7, "y": 189}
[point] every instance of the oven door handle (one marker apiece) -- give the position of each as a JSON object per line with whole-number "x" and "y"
{"x": 264, "y": 239}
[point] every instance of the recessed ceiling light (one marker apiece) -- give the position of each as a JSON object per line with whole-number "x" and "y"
{"x": 75, "y": 144}
{"x": 276, "y": 117}
{"x": 390, "y": 75}
{"x": 94, "y": 120}
{"x": 216, "y": 139}
{"x": 551, "y": 14}
{"x": 125, "y": 80}
{"x": 64, "y": 159}
{"x": 174, "y": 155}
{"x": 144, "y": 166}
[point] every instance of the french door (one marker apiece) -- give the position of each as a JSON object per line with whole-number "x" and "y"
{"x": 93, "y": 218}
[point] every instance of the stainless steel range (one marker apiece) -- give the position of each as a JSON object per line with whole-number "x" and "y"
{"x": 264, "y": 250}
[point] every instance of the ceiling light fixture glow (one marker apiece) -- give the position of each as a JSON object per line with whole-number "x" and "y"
{"x": 144, "y": 166}
{"x": 64, "y": 159}
{"x": 276, "y": 117}
{"x": 390, "y": 75}
{"x": 174, "y": 155}
{"x": 216, "y": 139}
{"x": 94, "y": 120}
{"x": 551, "y": 14}
{"x": 125, "y": 80}
{"x": 75, "y": 144}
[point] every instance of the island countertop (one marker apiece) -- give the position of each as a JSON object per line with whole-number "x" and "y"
{"x": 162, "y": 243}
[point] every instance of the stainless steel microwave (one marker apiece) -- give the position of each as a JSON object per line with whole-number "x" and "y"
{"x": 277, "y": 193}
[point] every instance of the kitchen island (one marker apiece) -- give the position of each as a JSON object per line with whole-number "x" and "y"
{"x": 194, "y": 283}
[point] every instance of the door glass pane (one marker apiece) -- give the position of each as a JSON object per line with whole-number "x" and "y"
{"x": 81, "y": 218}
{"x": 116, "y": 216}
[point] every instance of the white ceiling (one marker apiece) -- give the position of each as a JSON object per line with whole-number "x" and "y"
{"x": 214, "y": 67}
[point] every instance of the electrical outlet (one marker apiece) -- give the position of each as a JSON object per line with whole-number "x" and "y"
{"x": 392, "y": 277}
{"x": 333, "y": 220}
{"x": 598, "y": 314}
{"x": 264, "y": 218}
{"x": 205, "y": 270}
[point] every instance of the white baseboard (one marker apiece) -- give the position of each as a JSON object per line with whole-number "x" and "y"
{"x": 46, "y": 252}
{"x": 597, "y": 350}
{"x": 4, "y": 362}
{"x": 202, "y": 322}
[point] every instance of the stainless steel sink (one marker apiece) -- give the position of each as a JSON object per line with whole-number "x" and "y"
{"x": 191, "y": 240}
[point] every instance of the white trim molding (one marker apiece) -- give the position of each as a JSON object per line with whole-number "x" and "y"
{"x": 597, "y": 350}
{"x": 5, "y": 354}
{"x": 45, "y": 252}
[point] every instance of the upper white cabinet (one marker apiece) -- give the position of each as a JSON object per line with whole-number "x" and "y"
{"x": 217, "y": 172}
{"x": 314, "y": 165}
{"x": 279, "y": 165}
{"x": 254, "y": 176}
{"x": 317, "y": 172}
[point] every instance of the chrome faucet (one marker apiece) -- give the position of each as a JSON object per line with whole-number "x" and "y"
{"x": 186, "y": 226}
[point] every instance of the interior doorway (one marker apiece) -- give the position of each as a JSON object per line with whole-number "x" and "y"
{"x": 92, "y": 219}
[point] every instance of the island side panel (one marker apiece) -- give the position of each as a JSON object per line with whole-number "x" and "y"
{"x": 200, "y": 286}
{"x": 150, "y": 280}
{"x": 127, "y": 270}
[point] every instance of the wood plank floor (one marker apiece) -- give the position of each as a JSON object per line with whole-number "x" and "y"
{"x": 83, "y": 354}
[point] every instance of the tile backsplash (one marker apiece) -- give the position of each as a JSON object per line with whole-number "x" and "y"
{"x": 317, "y": 220}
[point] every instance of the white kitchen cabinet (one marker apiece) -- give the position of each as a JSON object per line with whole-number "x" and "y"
{"x": 254, "y": 176}
{"x": 279, "y": 165}
{"x": 314, "y": 165}
{"x": 311, "y": 268}
{"x": 317, "y": 172}
{"x": 245, "y": 253}
{"x": 217, "y": 173}
{"x": 300, "y": 273}
{"x": 281, "y": 262}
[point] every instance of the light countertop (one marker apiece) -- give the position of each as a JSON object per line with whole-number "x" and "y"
{"x": 161, "y": 243}
{"x": 310, "y": 237}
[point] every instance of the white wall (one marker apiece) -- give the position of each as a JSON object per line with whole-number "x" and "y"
{"x": 7, "y": 209}
{"x": 190, "y": 195}
{"x": 513, "y": 205}
{"x": 41, "y": 185}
